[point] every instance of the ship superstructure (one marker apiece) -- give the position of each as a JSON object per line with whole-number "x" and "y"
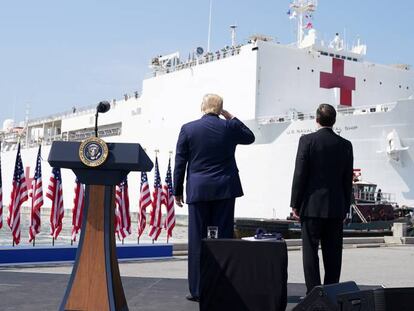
{"x": 273, "y": 88}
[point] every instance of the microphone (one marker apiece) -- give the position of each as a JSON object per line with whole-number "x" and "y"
{"x": 102, "y": 107}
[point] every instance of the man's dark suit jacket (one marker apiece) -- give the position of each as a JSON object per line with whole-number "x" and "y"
{"x": 322, "y": 182}
{"x": 206, "y": 147}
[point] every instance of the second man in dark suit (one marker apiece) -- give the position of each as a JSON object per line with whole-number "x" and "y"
{"x": 321, "y": 196}
{"x": 206, "y": 148}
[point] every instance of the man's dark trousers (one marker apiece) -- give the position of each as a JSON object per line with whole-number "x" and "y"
{"x": 218, "y": 213}
{"x": 329, "y": 231}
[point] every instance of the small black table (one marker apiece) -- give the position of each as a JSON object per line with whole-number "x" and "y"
{"x": 243, "y": 275}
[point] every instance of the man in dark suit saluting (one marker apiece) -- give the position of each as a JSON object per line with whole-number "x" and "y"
{"x": 206, "y": 148}
{"x": 321, "y": 196}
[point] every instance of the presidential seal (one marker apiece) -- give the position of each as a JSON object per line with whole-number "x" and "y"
{"x": 93, "y": 152}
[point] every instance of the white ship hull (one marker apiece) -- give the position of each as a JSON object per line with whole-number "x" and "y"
{"x": 270, "y": 87}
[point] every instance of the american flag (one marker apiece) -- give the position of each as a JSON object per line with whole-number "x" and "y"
{"x": 144, "y": 201}
{"x": 168, "y": 201}
{"x": 122, "y": 215}
{"x": 37, "y": 198}
{"x": 18, "y": 196}
{"x": 1, "y": 197}
{"x": 155, "y": 215}
{"x": 54, "y": 193}
{"x": 117, "y": 219}
{"x": 77, "y": 211}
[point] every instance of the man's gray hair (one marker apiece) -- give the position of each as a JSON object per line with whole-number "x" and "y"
{"x": 212, "y": 103}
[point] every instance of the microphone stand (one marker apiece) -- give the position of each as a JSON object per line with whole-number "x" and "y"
{"x": 96, "y": 123}
{"x": 102, "y": 107}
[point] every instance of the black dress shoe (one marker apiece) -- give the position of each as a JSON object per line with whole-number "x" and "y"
{"x": 192, "y": 298}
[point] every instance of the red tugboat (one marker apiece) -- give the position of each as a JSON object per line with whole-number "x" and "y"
{"x": 371, "y": 204}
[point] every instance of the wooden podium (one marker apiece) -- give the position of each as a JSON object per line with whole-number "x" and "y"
{"x": 95, "y": 283}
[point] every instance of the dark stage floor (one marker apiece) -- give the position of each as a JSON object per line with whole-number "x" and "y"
{"x": 22, "y": 291}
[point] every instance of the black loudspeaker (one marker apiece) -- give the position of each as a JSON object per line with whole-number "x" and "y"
{"x": 324, "y": 297}
{"x": 357, "y": 301}
{"x": 381, "y": 299}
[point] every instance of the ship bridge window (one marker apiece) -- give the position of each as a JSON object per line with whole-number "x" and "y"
{"x": 331, "y": 55}
{"x": 338, "y": 56}
{"x": 355, "y": 60}
{"x": 343, "y": 57}
{"x": 107, "y": 130}
{"x": 349, "y": 58}
{"x": 365, "y": 80}
{"x": 380, "y": 82}
{"x": 324, "y": 53}
{"x": 399, "y": 86}
{"x": 298, "y": 68}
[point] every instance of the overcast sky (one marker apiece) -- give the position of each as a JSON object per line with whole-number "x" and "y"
{"x": 58, "y": 54}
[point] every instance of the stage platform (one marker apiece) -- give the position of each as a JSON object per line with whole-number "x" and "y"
{"x": 39, "y": 291}
{"x": 161, "y": 284}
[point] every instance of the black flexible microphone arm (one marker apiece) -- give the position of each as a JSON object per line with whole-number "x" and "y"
{"x": 102, "y": 107}
{"x": 96, "y": 123}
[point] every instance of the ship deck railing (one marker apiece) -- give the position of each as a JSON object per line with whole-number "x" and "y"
{"x": 75, "y": 136}
{"x": 370, "y": 197}
{"x": 207, "y": 58}
{"x": 344, "y": 111}
{"x": 74, "y": 112}
{"x": 101, "y": 133}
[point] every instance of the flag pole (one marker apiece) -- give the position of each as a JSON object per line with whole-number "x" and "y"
{"x": 122, "y": 241}
{"x": 166, "y": 220}
{"x": 71, "y": 242}
{"x": 156, "y": 155}
{"x": 34, "y": 239}
{"x": 145, "y": 149}
{"x": 18, "y": 143}
{"x": 53, "y": 241}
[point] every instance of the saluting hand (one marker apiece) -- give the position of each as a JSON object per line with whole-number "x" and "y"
{"x": 227, "y": 115}
{"x": 179, "y": 200}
